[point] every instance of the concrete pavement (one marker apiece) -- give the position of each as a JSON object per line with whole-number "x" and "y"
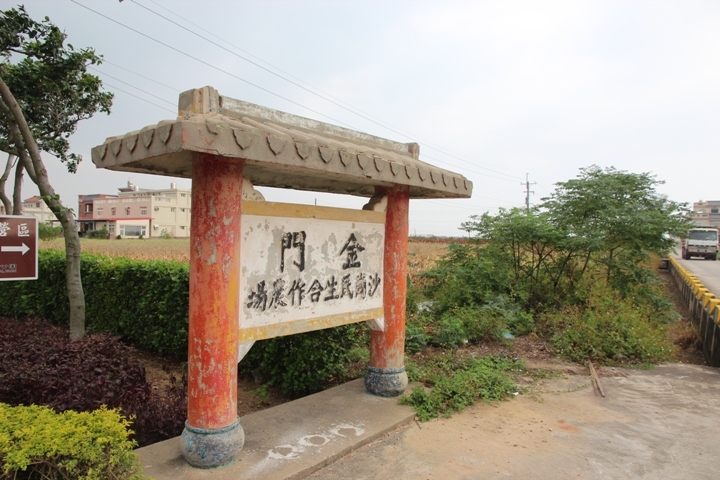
{"x": 291, "y": 440}
{"x": 658, "y": 424}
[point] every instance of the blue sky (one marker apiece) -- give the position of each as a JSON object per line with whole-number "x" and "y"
{"x": 494, "y": 90}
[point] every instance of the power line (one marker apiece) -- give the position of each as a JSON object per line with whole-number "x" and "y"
{"x": 260, "y": 87}
{"x": 463, "y": 206}
{"x": 209, "y": 64}
{"x": 349, "y": 108}
{"x": 139, "y": 98}
{"x": 131, "y": 85}
{"x": 140, "y": 75}
{"x": 467, "y": 169}
{"x": 545, "y": 188}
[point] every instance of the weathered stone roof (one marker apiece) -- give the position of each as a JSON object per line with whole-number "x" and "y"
{"x": 281, "y": 150}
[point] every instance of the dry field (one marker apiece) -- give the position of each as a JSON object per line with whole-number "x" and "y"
{"x": 155, "y": 249}
{"x": 422, "y": 255}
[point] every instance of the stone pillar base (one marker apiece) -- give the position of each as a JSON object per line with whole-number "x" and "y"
{"x": 211, "y": 448}
{"x": 386, "y": 382}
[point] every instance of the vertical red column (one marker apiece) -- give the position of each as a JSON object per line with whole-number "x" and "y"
{"x": 386, "y": 374}
{"x": 213, "y": 435}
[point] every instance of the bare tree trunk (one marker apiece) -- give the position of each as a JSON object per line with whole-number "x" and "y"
{"x": 17, "y": 192}
{"x": 3, "y": 180}
{"x": 32, "y": 162}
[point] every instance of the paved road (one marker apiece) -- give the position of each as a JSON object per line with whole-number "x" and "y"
{"x": 707, "y": 271}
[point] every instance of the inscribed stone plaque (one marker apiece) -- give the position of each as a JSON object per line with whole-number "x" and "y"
{"x": 305, "y": 268}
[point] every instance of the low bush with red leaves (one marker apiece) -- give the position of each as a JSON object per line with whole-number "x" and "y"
{"x": 40, "y": 365}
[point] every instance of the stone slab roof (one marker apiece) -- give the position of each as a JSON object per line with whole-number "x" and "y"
{"x": 281, "y": 150}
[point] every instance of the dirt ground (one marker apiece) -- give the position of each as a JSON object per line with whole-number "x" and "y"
{"x": 659, "y": 424}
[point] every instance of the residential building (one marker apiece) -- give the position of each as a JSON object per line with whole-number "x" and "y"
{"x": 706, "y": 213}
{"x": 136, "y": 212}
{"x": 86, "y": 208}
{"x": 35, "y": 207}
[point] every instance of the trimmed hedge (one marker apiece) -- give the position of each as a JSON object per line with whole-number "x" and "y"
{"x": 144, "y": 302}
{"x": 37, "y": 443}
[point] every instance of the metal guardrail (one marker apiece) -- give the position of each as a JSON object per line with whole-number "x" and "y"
{"x": 704, "y": 308}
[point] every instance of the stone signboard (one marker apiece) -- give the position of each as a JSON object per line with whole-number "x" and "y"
{"x": 305, "y": 268}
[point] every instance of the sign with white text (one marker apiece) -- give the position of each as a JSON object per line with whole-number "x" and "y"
{"x": 18, "y": 248}
{"x": 305, "y": 268}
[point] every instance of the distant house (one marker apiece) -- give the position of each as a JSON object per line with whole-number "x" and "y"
{"x": 136, "y": 212}
{"x": 706, "y": 213}
{"x": 35, "y": 207}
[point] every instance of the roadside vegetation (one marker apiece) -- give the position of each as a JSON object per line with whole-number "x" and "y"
{"x": 578, "y": 271}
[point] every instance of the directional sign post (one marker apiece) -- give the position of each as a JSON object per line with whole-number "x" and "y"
{"x": 18, "y": 248}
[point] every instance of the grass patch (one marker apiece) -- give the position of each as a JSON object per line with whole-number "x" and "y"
{"x": 457, "y": 384}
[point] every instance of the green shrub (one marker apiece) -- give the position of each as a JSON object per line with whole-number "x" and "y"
{"x": 486, "y": 378}
{"x": 146, "y": 304}
{"x": 449, "y": 332}
{"x": 610, "y": 330}
{"x": 472, "y": 323}
{"x": 468, "y": 275}
{"x": 480, "y": 323}
{"x": 37, "y": 443}
{"x": 412, "y": 297}
{"x": 101, "y": 234}
{"x": 47, "y": 232}
{"x": 304, "y": 363}
{"x": 415, "y": 338}
{"x": 165, "y": 235}
{"x": 508, "y": 315}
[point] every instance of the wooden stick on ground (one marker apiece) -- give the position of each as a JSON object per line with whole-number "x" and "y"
{"x": 594, "y": 376}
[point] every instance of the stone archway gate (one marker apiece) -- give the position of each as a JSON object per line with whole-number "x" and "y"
{"x": 261, "y": 269}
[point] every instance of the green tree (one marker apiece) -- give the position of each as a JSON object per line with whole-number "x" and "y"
{"x": 44, "y": 91}
{"x": 604, "y": 224}
{"x": 540, "y": 259}
{"x": 618, "y": 217}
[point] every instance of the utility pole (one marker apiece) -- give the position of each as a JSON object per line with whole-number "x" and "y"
{"x": 527, "y": 192}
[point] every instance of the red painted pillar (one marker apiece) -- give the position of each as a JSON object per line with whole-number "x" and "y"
{"x": 213, "y": 434}
{"x": 386, "y": 374}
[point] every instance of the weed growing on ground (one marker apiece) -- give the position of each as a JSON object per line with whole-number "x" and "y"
{"x": 609, "y": 330}
{"x": 457, "y": 384}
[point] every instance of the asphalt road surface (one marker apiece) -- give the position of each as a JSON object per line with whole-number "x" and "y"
{"x": 707, "y": 271}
